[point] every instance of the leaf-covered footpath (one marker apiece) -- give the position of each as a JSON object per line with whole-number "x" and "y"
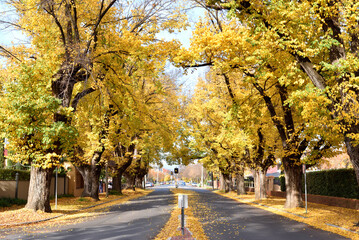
{"x": 69, "y": 210}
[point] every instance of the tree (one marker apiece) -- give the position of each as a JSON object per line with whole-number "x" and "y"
{"x": 26, "y": 119}
{"x": 215, "y": 130}
{"x": 244, "y": 57}
{"x": 82, "y": 43}
{"x": 323, "y": 44}
{"x": 2, "y": 153}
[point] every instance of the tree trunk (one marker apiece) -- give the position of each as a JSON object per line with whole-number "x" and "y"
{"x": 353, "y": 152}
{"x": 91, "y": 175}
{"x": 293, "y": 183}
{"x": 227, "y": 182}
{"x": 139, "y": 181}
{"x": 116, "y": 183}
{"x": 241, "y": 190}
{"x": 85, "y": 172}
{"x": 260, "y": 185}
{"x": 221, "y": 183}
{"x": 39, "y": 189}
{"x": 120, "y": 171}
{"x": 2, "y": 153}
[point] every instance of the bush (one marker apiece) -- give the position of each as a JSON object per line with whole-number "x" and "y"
{"x": 282, "y": 183}
{"x": 9, "y": 174}
{"x": 335, "y": 183}
{"x": 114, "y": 192}
{"x": 8, "y": 202}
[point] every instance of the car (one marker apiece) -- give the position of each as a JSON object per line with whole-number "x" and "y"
{"x": 194, "y": 184}
{"x": 149, "y": 184}
{"x": 181, "y": 183}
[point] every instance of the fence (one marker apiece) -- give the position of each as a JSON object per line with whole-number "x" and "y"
{"x": 8, "y": 188}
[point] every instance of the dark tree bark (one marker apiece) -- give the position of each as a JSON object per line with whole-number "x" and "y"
{"x": 227, "y": 182}
{"x": 39, "y": 189}
{"x": 353, "y": 152}
{"x": 131, "y": 181}
{"x": 241, "y": 190}
{"x": 124, "y": 165}
{"x": 91, "y": 175}
{"x": 293, "y": 183}
{"x": 2, "y": 153}
{"x": 116, "y": 182}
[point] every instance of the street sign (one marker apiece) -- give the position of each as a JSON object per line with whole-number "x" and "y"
{"x": 182, "y": 201}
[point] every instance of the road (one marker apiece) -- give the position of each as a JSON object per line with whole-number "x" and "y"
{"x": 221, "y": 218}
{"x": 139, "y": 219}
{"x": 224, "y": 218}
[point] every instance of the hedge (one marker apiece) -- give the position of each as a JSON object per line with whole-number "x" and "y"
{"x": 335, "y": 183}
{"x": 9, "y": 174}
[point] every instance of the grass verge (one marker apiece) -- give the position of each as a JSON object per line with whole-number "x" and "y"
{"x": 342, "y": 220}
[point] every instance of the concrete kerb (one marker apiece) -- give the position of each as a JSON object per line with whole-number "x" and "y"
{"x": 332, "y": 225}
{"x": 61, "y": 215}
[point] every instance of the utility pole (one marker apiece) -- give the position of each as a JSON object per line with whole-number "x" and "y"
{"x": 202, "y": 177}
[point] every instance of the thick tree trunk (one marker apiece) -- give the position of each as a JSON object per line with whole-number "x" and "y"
{"x": 260, "y": 185}
{"x": 91, "y": 175}
{"x": 227, "y": 182}
{"x": 353, "y": 152}
{"x": 241, "y": 190}
{"x": 293, "y": 183}
{"x": 116, "y": 183}
{"x": 39, "y": 189}
{"x": 139, "y": 181}
{"x": 85, "y": 171}
{"x": 221, "y": 182}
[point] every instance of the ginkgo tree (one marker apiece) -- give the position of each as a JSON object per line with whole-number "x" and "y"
{"x": 232, "y": 48}
{"x": 76, "y": 42}
{"x": 320, "y": 39}
{"x": 26, "y": 121}
{"x": 215, "y": 132}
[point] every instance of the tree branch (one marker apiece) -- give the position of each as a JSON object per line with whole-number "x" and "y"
{"x": 79, "y": 96}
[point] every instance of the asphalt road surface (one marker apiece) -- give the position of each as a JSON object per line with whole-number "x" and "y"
{"x": 138, "y": 219}
{"x": 221, "y": 218}
{"x": 224, "y": 218}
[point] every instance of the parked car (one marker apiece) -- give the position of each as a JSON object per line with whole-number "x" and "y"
{"x": 194, "y": 184}
{"x": 149, "y": 184}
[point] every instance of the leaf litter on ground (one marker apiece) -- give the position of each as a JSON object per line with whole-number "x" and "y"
{"x": 318, "y": 215}
{"x": 172, "y": 227}
{"x": 69, "y": 210}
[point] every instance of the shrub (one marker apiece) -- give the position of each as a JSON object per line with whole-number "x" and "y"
{"x": 282, "y": 183}
{"x": 9, "y": 174}
{"x": 335, "y": 183}
{"x": 8, "y": 202}
{"x": 114, "y": 192}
